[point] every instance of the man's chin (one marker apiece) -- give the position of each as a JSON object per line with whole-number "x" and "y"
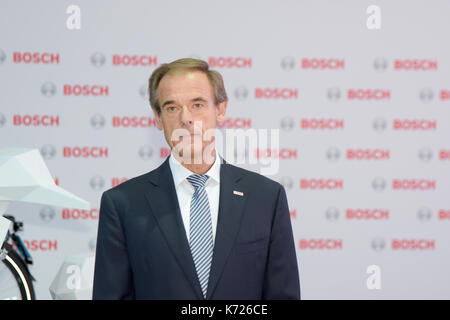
{"x": 194, "y": 156}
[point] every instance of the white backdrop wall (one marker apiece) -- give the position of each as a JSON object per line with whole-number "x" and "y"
{"x": 383, "y": 95}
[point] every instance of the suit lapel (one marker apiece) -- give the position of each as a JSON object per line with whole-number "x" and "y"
{"x": 164, "y": 204}
{"x": 231, "y": 209}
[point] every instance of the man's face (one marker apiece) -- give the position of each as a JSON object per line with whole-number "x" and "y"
{"x": 188, "y": 111}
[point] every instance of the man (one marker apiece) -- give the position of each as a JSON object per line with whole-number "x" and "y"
{"x": 196, "y": 227}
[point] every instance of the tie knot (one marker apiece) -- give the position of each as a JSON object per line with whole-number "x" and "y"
{"x": 198, "y": 180}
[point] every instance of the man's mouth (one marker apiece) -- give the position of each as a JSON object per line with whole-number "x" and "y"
{"x": 192, "y": 135}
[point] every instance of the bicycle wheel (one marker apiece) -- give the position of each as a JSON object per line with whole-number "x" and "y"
{"x": 15, "y": 280}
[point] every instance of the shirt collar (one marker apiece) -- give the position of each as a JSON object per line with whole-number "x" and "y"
{"x": 180, "y": 173}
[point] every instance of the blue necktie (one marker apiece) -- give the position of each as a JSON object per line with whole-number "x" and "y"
{"x": 201, "y": 235}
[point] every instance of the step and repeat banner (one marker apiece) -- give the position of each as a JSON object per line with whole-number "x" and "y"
{"x": 357, "y": 92}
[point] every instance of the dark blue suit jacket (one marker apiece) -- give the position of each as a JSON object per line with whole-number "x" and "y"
{"x": 143, "y": 252}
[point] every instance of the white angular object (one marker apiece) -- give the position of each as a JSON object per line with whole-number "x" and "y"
{"x": 25, "y": 177}
{"x": 4, "y": 227}
{"x": 75, "y": 279}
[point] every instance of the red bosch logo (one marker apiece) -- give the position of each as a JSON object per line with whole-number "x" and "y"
{"x": 36, "y": 120}
{"x": 230, "y": 62}
{"x": 117, "y": 181}
{"x": 133, "y": 122}
{"x": 230, "y": 123}
{"x": 36, "y": 57}
{"x": 322, "y": 184}
{"x": 293, "y": 213}
{"x": 85, "y": 90}
{"x": 367, "y": 214}
{"x": 77, "y": 214}
{"x": 322, "y": 64}
{"x": 321, "y": 244}
{"x": 367, "y": 154}
{"x": 368, "y": 94}
{"x": 444, "y": 155}
{"x": 321, "y": 124}
{"x": 415, "y": 64}
{"x": 134, "y": 60}
{"x": 41, "y": 245}
{"x": 164, "y": 152}
{"x": 414, "y": 124}
{"x": 85, "y": 152}
{"x": 284, "y": 153}
{"x": 413, "y": 184}
{"x": 445, "y": 95}
{"x": 413, "y": 244}
{"x": 276, "y": 93}
{"x": 444, "y": 214}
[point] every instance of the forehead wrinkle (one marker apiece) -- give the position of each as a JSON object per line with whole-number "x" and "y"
{"x": 178, "y": 93}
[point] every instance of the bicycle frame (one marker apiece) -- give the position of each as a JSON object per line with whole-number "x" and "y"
{"x": 17, "y": 242}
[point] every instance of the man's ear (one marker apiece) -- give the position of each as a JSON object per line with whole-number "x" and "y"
{"x": 158, "y": 119}
{"x": 221, "y": 111}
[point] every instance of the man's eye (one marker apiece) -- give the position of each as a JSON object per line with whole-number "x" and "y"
{"x": 171, "y": 109}
{"x": 198, "y": 105}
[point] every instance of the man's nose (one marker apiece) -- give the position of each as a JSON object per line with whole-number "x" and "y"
{"x": 186, "y": 116}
